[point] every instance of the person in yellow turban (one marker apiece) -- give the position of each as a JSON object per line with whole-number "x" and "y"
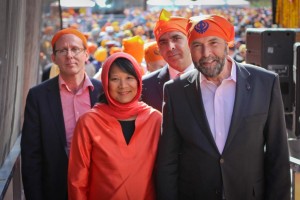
{"x": 100, "y": 56}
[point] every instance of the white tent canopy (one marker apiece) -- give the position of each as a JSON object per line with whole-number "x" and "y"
{"x": 74, "y": 3}
{"x": 238, "y": 3}
{"x": 198, "y": 3}
{"x": 160, "y": 3}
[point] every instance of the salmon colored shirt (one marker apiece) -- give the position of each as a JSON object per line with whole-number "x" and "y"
{"x": 103, "y": 166}
{"x": 74, "y": 105}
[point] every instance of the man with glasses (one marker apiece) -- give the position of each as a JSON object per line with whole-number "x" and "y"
{"x": 51, "y": 111}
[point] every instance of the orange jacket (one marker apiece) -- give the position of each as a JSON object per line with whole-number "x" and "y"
{"x": 103, "y": 166}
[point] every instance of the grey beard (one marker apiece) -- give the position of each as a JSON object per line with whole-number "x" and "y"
{"x": 213, "y": 71}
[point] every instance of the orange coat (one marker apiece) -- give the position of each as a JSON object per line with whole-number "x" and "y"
{"x": 103, "y": 166}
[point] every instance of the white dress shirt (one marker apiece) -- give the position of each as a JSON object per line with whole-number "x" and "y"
{"x": 218, "y": 103}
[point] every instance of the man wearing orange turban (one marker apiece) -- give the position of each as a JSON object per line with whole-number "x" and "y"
{"x": 154, "y": 60}
{"x": 224, "y": 132}
{"x": 170, "y": 34}
{"x": 51, "y": 111}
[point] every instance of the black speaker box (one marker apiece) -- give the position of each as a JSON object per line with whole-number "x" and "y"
{"x": 296, "y": 76}
{"x": 272, "y": 49}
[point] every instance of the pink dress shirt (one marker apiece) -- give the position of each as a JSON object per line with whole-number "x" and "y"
{"x": 174, "y": 73}
{"x": 218, "y": 103}
{"x": 74, "y": 105}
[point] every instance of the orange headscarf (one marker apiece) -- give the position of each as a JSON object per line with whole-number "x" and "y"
{"x": 116, "y": 109}
{"x": 69, "y": 31}
{"x": 210, "y": 25}
{"x": 151, "y": 52}
{"x": 167, "y": 23}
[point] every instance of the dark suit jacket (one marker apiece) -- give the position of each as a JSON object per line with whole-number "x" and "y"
{"x": 152, "y": 93}
{"x": 43, "y": 143}
{"x": 255, "y": 161}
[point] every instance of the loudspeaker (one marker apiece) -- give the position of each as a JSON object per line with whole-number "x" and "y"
{"x": 272, "y": 49}
{"x": 296, "y": 69}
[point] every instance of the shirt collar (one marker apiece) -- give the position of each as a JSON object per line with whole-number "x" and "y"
{"x": 173, "y": 72}
{"x": 86, "y": 84}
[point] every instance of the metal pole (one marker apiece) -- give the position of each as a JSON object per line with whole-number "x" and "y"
{"x": 60, "y": 15}
{"x": 145, "y": 5}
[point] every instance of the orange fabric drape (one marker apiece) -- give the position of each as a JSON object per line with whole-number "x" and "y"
{"x": 288, "y": 13}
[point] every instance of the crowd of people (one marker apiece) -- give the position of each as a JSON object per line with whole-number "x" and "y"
{"x": 108, "y": 32}
{"x": 201, "y": 125}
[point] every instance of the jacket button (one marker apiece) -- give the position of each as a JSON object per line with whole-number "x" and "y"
{"x": 222, "y": 161}
{"x": 218, "y": 192}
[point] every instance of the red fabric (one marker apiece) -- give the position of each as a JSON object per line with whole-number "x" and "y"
{"x": 116, "y": 109}
{"x": 69, "y": 31}
{"x": 103, "y": 166}
{"x": 210, "y": 25}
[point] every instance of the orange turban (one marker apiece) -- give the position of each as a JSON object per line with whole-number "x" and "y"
{"x": 210, "y": 25}
{"x": 69, "y": 31}
{"x": 135, "y": 47}
{"x": 151, "y": 52}
{"x": 92, "y": 47}
{"x": 167, "y": 23}
{"x": 113, "y": 50}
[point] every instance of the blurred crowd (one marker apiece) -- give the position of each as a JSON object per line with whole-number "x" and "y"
{"x": 132, "y": 32}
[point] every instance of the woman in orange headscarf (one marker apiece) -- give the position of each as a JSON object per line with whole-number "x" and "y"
{"x": 115, "y": 144}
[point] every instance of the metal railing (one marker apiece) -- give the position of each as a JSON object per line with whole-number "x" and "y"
{"x": 10, "y": 175}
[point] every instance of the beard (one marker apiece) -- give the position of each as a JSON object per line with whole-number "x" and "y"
{"x": 211, "y": 71}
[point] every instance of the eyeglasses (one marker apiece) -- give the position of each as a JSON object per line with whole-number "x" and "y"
{"x": 74, "y": 51}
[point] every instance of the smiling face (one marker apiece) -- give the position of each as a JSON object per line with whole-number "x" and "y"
{"x": 173, "y": 46}
{"x": 209, "y": 55}
{"x": 70, "y": 64}
{"x": 122, "y": 86}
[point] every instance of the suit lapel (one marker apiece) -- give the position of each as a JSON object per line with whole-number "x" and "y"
{"x": 162, "y": 77}
{"x": 54, "y": 102}
{"x": 94, "y": 95}
{"x": 193, "y": 93}
{"x": 242, "y": 95}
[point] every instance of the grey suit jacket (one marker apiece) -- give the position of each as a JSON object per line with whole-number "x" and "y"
{"x": 43, "y": 142}
{"x": 153, "y": 83}
{"x": 254, "y": 163}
